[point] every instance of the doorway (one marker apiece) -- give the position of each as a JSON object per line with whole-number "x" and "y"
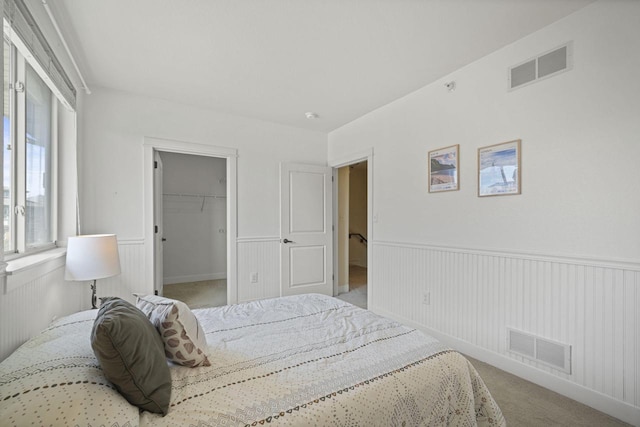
{"x": 153, "y": 200}
{"x": 353, "y": 232}
{"x": 194, "y": 204}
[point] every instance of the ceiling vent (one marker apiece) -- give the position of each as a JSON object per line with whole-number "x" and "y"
{"x": 551, "y": 353}
{"x": 548, "y": 64}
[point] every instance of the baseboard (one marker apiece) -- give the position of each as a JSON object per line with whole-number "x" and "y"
{"x": 193, "y": 278}
{"x": 343, "y": 289}
{"x": 603, "y": 403}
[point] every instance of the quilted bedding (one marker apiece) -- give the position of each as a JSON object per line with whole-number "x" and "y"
{"x": 297, "y": 361}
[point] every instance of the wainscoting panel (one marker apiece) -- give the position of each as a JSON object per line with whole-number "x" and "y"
{"x": 475, "y": 295}
{"x": 28, "y": 309}
{"x": 260, "y": 256}
{"x": 131, "y": 279}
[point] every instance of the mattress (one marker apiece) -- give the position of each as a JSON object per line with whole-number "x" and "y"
{"x": 296, "y": 361}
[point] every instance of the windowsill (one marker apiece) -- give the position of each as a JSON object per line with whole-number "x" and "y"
{"x": 20, "y": 271}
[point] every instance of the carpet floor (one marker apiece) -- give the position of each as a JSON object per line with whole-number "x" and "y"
{"x": 357, "y": 294}
{"x": 208, "y": 293}
{"x": 525, "y": 404}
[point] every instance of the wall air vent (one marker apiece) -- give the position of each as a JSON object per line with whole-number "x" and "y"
{"x": 551, "y": 353}
{"x": 548, "y": 64}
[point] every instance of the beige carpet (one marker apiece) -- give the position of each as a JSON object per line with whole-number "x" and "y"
{"x": 525, "y": 404}
{"x": 208, "y": 293}
{"x": 357, "y": 294}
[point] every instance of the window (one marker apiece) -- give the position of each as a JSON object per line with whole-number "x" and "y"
{"x": 30, "y": 109}
{"x": 38, "y": 161}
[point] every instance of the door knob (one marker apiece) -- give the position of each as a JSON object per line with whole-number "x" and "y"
{"x": 287, "y": 241}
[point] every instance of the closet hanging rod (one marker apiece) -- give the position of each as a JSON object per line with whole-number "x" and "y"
{"x": 194, "y": 195}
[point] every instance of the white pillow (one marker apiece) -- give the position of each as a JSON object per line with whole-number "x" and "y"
{"x": 182, "y": 335}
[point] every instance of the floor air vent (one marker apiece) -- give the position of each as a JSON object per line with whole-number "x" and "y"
{"x": 546, "y": 65}
{"x": 551, "y": 353}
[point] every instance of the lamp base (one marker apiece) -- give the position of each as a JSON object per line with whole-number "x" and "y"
{"x": 94, "y": 299}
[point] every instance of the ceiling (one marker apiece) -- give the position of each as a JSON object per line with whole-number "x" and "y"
{"x": 276, "y": 60}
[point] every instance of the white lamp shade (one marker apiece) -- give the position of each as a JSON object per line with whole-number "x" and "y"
{"x": 92, "y": 257}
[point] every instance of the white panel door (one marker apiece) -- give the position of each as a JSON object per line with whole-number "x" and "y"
{"x": 306, "y": 248}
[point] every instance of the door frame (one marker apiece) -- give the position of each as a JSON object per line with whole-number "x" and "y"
{"x": 151, "y": 145}
{"x": 158, "y": 220}
{"x": 346, "y": 160}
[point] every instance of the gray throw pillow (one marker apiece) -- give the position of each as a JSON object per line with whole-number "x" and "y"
{"x": 131, "y": 354}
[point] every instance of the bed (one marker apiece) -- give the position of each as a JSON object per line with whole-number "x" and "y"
{"x": 296, "y": 361}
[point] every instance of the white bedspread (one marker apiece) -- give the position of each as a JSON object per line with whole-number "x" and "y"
{"x": 304, "y": 360}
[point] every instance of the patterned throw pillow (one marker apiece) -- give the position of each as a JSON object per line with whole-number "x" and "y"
{"x": 183, "y": 337}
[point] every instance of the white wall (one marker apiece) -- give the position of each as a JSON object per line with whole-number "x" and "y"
{"x": 579, "y": 132}
{"x": 111, "y": 181}
{"x": 195, "y": 227}
{"x": 560, "y": 260}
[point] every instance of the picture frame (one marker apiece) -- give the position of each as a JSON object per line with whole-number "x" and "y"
{"x": 444, "y": 169}
{"x": 499, "y": 169}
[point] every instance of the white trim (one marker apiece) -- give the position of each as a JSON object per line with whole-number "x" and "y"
{"x": 66, "y": 47}
{"x": 23, "y": 270}
{"x": 343, "y": 289}
{"x": 594, "y": 399}
{"x": 152, "y": 144}
{"x": 194, "y": 278}
{"x": 55, "y": 168}
{"x": 185, "y": 147}
{"x": 526, "y": 255}
{"x": 258, "y": 239}
{"x": 351, "y": 158}
{"x": 121, "y": 242}
{"x": 138, "y": 241}
{"x": 19, "y": 154}
{"x": 34, "y": 62}
{"x": 339, "y": 162}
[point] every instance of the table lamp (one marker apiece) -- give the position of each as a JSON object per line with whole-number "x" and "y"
{"x": 92, "y": 257}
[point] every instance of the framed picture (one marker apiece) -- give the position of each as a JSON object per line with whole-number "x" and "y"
{"x": 499, "y": 169}
{"x": 443, "y": 169}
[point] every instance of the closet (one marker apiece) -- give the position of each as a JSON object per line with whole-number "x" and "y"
{"x": 194, "y": 206}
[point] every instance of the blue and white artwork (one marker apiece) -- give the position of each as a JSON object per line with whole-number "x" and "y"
{"x": 499, "y": 169}
{"x": 443, "y": 169}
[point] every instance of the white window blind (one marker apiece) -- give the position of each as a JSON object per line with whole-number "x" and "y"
{"x": 27, "y": 37}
